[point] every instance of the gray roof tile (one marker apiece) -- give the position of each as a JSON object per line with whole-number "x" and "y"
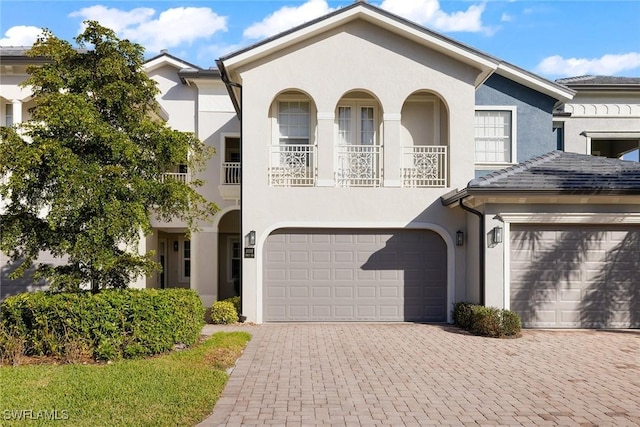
{"x": 585, "y": 81}
{"x": 560, "y": 171}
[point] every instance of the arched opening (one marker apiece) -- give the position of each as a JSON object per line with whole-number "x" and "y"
{"x": 424, "y": 140}
{"x": 359, "y": 140}
{"x": 293, "y": 158}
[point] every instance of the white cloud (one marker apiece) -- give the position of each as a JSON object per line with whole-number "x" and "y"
{"x": 506, "y": 17}
{"x": 287, "y": 17}
{"x": 171, "y": 28}
{"x": 20, "y": 35}
{"x": 113, "y": 18}
{"x": 429, "y": 13}
{"x": 606, "y": 65}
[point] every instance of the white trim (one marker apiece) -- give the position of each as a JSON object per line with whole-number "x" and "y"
{"x": 442, "y": 232}
{"x": 164, "y": 60}
{"x": 572, "y": 218}
{"x": 506, "y": 269}
{"x": 514, "y": 132}
{"x": 466, "y": 55}
{"x": 325, "y": 116}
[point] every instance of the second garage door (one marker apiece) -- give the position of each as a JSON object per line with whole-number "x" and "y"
{"x": 355, "y": 275}
{"x": 576, "y": 276}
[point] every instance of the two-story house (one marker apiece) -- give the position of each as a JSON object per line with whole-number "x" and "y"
{"x": 373, "y": 184}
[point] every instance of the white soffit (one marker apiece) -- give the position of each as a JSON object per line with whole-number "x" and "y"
{"x": 464, "y": 54}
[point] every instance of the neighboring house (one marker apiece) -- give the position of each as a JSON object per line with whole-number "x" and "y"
{"x": 603, "y": 118}
{"x": 373, "y": 185}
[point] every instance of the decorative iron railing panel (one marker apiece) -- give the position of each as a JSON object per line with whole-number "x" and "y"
{"x": 292, "y": 165}
{"x": 424, "y": 166}
{"x": 358, "y": 165}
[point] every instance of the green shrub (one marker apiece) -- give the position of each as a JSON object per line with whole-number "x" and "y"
{"x": 511, "y": 324}
{"x": 462, "y": 314}
{"x": 236, "y": 304}
{"x": 486, "y": 321}
{"x": 223, "y": 313}
{"x": 112, "y": 324}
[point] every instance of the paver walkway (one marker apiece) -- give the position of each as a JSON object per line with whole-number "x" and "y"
{"x": 412, "y": 374}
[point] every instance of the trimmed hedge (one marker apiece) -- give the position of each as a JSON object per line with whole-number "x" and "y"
{"x": 112, "y": 324}
{"x": 487, "y": 321}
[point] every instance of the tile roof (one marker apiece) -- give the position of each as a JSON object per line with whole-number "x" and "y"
{"x": 585, "y": 81}
{"x": 565, "y": 172}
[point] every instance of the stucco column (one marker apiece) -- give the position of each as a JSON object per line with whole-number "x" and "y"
{"x": 326, "y": 177}
{"x": 392, "y": 150}
{"x": 17, "y": 111}
{"x": 204, "y": 265}
{"x": 140, "y": 282}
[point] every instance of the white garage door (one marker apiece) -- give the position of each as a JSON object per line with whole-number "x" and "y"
{"x": 576, "y": 276}
{"x": 355, "y": 275}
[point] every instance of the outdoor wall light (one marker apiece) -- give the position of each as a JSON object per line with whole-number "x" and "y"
{"x": 497, "y": 235}
{"x": 175, "y": 246}
{"x": 251, "y": 238}
{"x": 459, "y": 238}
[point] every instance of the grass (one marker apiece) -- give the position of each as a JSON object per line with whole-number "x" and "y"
{"x": 177, "y": 389}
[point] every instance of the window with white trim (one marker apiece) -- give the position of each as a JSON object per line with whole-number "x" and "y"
{"x": 186, "y": 259}
{"x": 293, "y": 122}
{"x": 495, "y": 134}
{"x": 234, "y": 259}
{"x": 8, "y": 115}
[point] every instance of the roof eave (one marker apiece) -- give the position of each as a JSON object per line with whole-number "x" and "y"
{"x": 486, "y": 63}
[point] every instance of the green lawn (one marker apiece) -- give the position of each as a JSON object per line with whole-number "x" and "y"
{"x": 178, "y": 389}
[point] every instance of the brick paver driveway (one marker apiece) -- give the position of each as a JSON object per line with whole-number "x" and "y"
{"x": 410, "y": 374}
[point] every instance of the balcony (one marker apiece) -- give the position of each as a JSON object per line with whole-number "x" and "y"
{"x": 230, "y": 178}
{"x": 292, "y": 165}
{"x": 358, "y": 165}
{"x": 424, "y": 166}
{"x": 174, "y": 176}
{"x": 230, "y": 173}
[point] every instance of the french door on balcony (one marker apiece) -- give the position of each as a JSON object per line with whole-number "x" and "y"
{"x": 358, "y": 151}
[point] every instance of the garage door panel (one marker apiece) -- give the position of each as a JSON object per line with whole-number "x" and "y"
{"x": 394, "y": 275}
{"x": 575, "y": 276}
{"x": 318, "y": 274}
{"x": 343, "y": 256}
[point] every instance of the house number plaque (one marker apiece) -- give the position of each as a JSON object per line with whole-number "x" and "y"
{"x": 249, "y": 252}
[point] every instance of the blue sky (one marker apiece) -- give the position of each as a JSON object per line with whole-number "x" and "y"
{"x": 552, "y": 38}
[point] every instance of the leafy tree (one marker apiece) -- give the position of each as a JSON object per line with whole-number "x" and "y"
{"x": 83, "y": 175}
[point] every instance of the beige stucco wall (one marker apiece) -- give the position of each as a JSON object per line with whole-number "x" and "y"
{"x": 356, "y": 57}
{"x": 201, "y": 106}
{"x": 616, "y": 112}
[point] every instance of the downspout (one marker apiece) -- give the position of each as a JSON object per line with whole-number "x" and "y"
{"x": 481, "y": 247}
{"x": 238, "y": 107}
